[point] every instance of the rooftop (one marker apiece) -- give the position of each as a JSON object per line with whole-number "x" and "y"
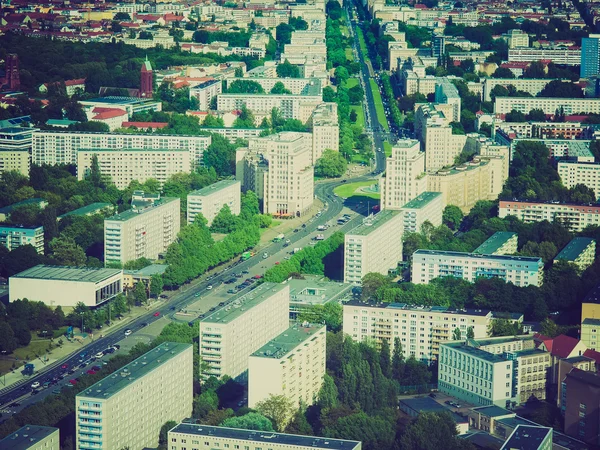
{"x": 422, "y": 200}
{"x": 585, "y": 377}
{"x": 20, "y": 227}
{"x": 92, "y": 208}
{"x": 493, "y": 411}
{"x": 243, "y": 302}
{"x": 291, "y": 440}
{"x": 65, "y": 273}
{"x": 373, "y": 222}
{"x": 26, "y": 436}
{"x": 574, "y": 249}
{"x": 115, "y": 100}
{"x": 133, "y": 371}
{"x": 591, "y": 322}
{"x": 527, "y": 437}
{"x": 474, "y": 255}
{"x": 316, "y": 290}
{"x": 407, "y": 307}
{"x": 30, "y": 201}
{"x": 211, "y": 189}
{"x": 148, "y": 271}
{"x": 280, "y": 346}
{"x": 494, "y": 242}
{"x": 131, "y": 213}
{"x": 424, "y": 404}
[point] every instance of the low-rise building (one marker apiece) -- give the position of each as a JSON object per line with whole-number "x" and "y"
{"x": 516, "y": 38}
{"x": 66, "y": 286}
{"x": 14, "y": 236}
{"x": 222, "y": 437}
{"x": 499, "y": 243}
{"x": 314, "y": 292}
{"x": 415, "y": 406}
{"x": 581, "y": 251}
{"x": 291, "y": 364}
{"x": 32, "y": 437}
{"x": 88, "y": 210}
{"x": 549, "y": 105}
{"x": 144, "y": 275}
{"x": 373, "y": 246}
{"x": 530, "y": 437}
{"x": 573, "y": 173}
{"x": 209, "y": 200}
{"x": 590, "y": 333}
{"x": 519, "y": 270}
{"x": 205, "y": 92}
{"x": 128, "y": 407}
{"x": 7, "y": 210}
{"x": 427, "y": 207}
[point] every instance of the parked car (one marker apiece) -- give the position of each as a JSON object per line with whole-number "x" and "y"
{"x": 99, "y": 355}
{"x": 35, "y": 385}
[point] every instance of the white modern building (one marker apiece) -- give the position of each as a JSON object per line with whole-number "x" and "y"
{"x": 499, "y": 243}
{"x": 205, "y": 92}
{"x": 532, "y": 86}
{"x": 427, "y": 207}
{"x": 127, "y": 408}
{"x": 325, "y": 130}
{"x": 32, "y": 437}
{"x": 66, "y": 286}
{"x": 291, "y": 364}
{"x": 297, "y": 86}
{"x": 573, "y": 217}
{"x": 550, "y": 105}
{"x": 373, "y": 246}
{"x": 209, "y": 200}
{"x": 14, "y": 236}
{"x": 562, "y": 56}
{"x": 15, "y": 149}
{"x": 573, "y": 173}
{"x": 518, "y": 270}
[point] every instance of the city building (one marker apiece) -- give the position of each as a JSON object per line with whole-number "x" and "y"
{"x": 494, "y": 371}
{"x": 129, "y": 407}
{"x": 229, "y": 335}
{"x": 529, "y": 437}
{"x": 144, "y": 231}
{"x": 185, "y": 434}
{"x": 279, "y": 170}
{"x": 144, "y": 275}
{"x": 560, "y": 347}
{"x": 313, "y": 291}
{"x": 62, "y": 147}
{"x": 549, "y": 105}
{"x": 15, "y": 149}
{"x": 518, "y": 270}
{"x": 516, "y": 38}
{"x": 7, "y": 210}
{"x": 11, "y": 79}
{"x": 573, "y": 173}
{"x": 297, "y": 86}
{"x": 438, "y": 45}
{"x": 532, "y": 86}
{"x": 418, "y": 405}
{"x": 66, "y": 286}
{"x": 209, "y": 200}
{"x": 446, "y": 93}
{"x": 427, "y": 207}
{"x": 233, "y": 134}
{"x": 13, "y": 236}
{"x": 291, "y": 364}
{"x": 558, "y": 55}
{"x": 89, "y": 210}
{"x": 420, "y": 329}
{"x": 325, "y": 129}
{"x": 405, "y": 177}
{"x": 581, "y": 251}
{"x": 131, "y": 105}
{"x": 499, "y": 243}
{"x": 590, "y": 333}
{"x": 573, "y": 217}
{"x": 590, "y": 56}
{"x": 373, "y": 246}
{"x": 581, "y": 391}
{"x": 205, "y": 92}
{"x": 32, "y": 437}
{"x": 565, "y": 366}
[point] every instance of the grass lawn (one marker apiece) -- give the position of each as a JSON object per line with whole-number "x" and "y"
{"x": 357, "y": 158}
{"x": 360, "y": 115}
{"x": 387, "y": 148}
{"x": 350, "y": 190}
{"x": 349, "y": 54}
{"x": 351, "y": 82}
{"x": 379, "y": 105}
{"x": 363, "y": 45}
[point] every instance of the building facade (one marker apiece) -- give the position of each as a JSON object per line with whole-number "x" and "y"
{"x": 573, "y": 173}
{"x": 210, "y": 200}
{"x": 562, "y": 56}
{"x": 290, "y": 106}
{"x": 232, "y": 333}
{"x": 580, "y": 251}
{"x": 14, "y": 236}
{"x": 581, "y": 394}
{"x": 128, "y": 407}
{"x": 144, "y": 231}
{"x": 574, "y": 217}
{"x": 325, "y": 130}
{"x": 532, "y": 86}
{"x": 427, "y": 207}
{"x": 549, "y": 105}
{"x": 32, "y": 437}
{"x": 499, "y": 243}
{"x": 15, "y": 149}
{"x": 590, "y": 56}
{"x": 205, "y": 92}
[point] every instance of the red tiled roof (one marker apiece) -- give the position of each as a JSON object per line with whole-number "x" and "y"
{"x": 75, "y": 82}
{"x": 145, "y": 124}
{"x": 563, "y": 345}
{"x": 592, "y": 354}
{"x": 109, "y": 114}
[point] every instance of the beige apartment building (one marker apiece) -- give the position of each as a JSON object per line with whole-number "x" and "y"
{"x": 15, "y": 149}
{"x": 573, "y": 217}
{"x": 373, "y": 246}
{"x": 187, "y": 436}
{"x": 292, "y": 365}
{"x": 296, "y": 86}
{"x": 32, "y": 437}
{"x": 144, "y": 231}
{"x": 573, "y": 173}
{"x": 427, "y": 207}
{"x": 532, "y": 86}
{"x": 205, "y": 92}
{"x": 278, "y": 168}
{"x": 232, "y": 333}
{"x": 420, "y": 329}
{"x": 516, "y": 38}
{"x": 210, "y": 200}
{"x": 549, "y": 105}
{"x": 325, "y": 130}
{"x": 405, "y": 177}
{"x": 127, "y": 408}
{"x": 580, "y": 251}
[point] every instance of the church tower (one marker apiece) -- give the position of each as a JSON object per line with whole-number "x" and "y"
{"x": 146, "y": 80}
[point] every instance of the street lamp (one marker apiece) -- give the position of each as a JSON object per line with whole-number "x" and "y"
{"x": 81, "y": 313}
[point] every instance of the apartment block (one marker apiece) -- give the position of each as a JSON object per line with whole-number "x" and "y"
{"x": 565, "y": 366}
{"x": 580, "y": 251}
{"x": 405, "y": 177}
{"x": 210, "y": 200}
{"x": 185, "y": 434}
{"x": 531, "y": 437}
{"x": 14, "y": 236}
{"x": 32, "y": 437}
{"x": 420, "y": 329}
{"x": 66, "y": 286}
{"x": 278, "y": 168}
{"x": 297, "y": 86}
{"x": 549, "y": 105}
{"x": 121, "y": 167}
{"x": 6, "y": 211}
{"x": 128, "y": 407}
{"x": 446, "y": 93}
{"x": 518, "y": 270}
{"x": 144, "y": 231}
{"x": 562, "y": 56}
{"x": 229, "y": 335}
{"x": 427, "y": 207}
{"x": 516, "y": 38}
{"x": 313, "y": 290}
{"x": 60, "y": 147}
{"x": 233, "y": 134}
{"x": 590, "y": 56}
{"x": 205, "y": 92}
{"x": 325, "y": 130}
{"x": 581, "y": 392}
{"x": 493, "y": 371}
{"x": 532, "y": 86}
{"x": 292, "y": 364}
{"x": 573, "y": 217}
{"x": 15, "y": 149}
{"x": 499, "y": 243}
{"x": 373, "y": 246}
{"x": 573, "y": 173}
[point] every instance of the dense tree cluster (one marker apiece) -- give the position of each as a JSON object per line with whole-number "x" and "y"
{"x": 331, "y": 164}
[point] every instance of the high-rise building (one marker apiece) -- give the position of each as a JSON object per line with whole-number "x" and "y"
{"x": 325, "y": 130}
{"x": 438, "y": 45}
{"x": 291, "y": 364}
{"x": 205, "y": 92}
{"x": 144, "y": 231}
{"x": 516, "y": 38}
{"x": 146, "y": 86}
{"x": 32, "y": 437}
{"x": 13, "y": 236}
{"x": 446, "y": 93}
{"x": 427, "y": 207}
{"x": 12, "y": 78}
{"x": 15, "y": 149}
{"x": 573, "y": 217}
{"x": 209, "y": 200}
{"x": 573, "y": 173}
{"x": 581, "y": 393}
{"x": 128, "y": 407}
{"x": 373, "y": 246}
{"x": 405, "y": 177}
{"x": 229, "y": 335}
{"x": 590, "y": 56}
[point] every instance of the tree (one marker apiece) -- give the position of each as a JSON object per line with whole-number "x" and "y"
{"x": 371, "y": 282}
{"x": 95, "y": 176}
{"x": 163, "y": 435}
{"x": 385, "y": 358}
{"x": 353, "y": 116}
{"x": 397, "y": 360}
{"x": 328, "y": 394}
{"x": 535, "y": 70}
{"x": 278, "y": 408}
{"x": 250, "y": 421}
{"x": 331, "y": 165}
{"x": 213, "y": 122}
{"x": 245, "y": 119}
{"x": 432, "y": 431}
{"x": 66, "y": 252}
{"x": 156, "y": 285}
{"x": 561, "y": 89}
{"x": 224, "y": 221}
{"x": 288, "y": 70}
{"x": 139, "y": 293}
{"x": 456, "y": 334}
{"x": 279, "y": 88}
{"x": 502, "y": 72}
{"x": 205, "y": 403}
{"x": 505, "y": 327}
{"x": 245, "y": 87}
{"x": 537, "y": 115}
{"x": 220, "y": 155}
{"x": 452, "y": 217}
{"x": 515, "y": 116}
{"x": 470, "y": 333}
{"x": 122, "y": 17}
{"x": 341, "y": 75}
{"x": 8, "y": 343}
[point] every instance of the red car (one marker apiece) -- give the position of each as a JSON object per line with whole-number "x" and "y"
{"x": 64, "y": 366}
{"x": 277, "y": 263}
{"x": 91, "y": 372}
{"x": 73, "y": 381}
{"x": 156, "y": 314}
{"x": 258, "y": 277}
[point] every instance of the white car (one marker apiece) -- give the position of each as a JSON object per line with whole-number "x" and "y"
{"x": 35, "y": 385}
{"x": 99, "y": 355}
{"x": 209, "y": 287}
{"x": 127, "y": 332}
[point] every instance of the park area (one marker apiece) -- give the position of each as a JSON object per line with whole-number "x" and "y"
{"x": 379, "y": 105}
{"x": 359, "y": 189}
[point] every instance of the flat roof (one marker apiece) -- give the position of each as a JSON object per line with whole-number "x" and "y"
{"x": 422, "y": 200}
{"x": 215, "y": 187}
{"x": 424, "y": 404}
{"x": 152, "y": 269}
{"x": 475, "y": 255}
{"x": 29, "y": 201}
{"x": 133, "y": 371}
{"x": 86, "y": 210}
{"x": 266, "y": 437}
{"x": 131, "y": 213}
{"x": 591, "y": 321}
{"x": 528, "y": 437}
{"x": 315, "y": 290}
{"x": 241, "y": 303}
{"x": 493, "y": 411}
{"x": 26, "y": 437}
{"x": 19, "y": 227}
{"x": 64, "y": 273}
{"x": 574, "y": 248}
{"x": 372, "y": 223}
{"x": 494, "y": 242}
{"x": 280, "y": 346}
{"x": 418, "y": 308}
{"x": 116, "y": 100}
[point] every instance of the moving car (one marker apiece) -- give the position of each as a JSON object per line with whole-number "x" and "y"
{"x": 156, "y": 314}
{"x": 127, "y": 332}
{"x": 35, "y": 385}
{"x": 99, "y": 355}
{"x": 209, "y": 287}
